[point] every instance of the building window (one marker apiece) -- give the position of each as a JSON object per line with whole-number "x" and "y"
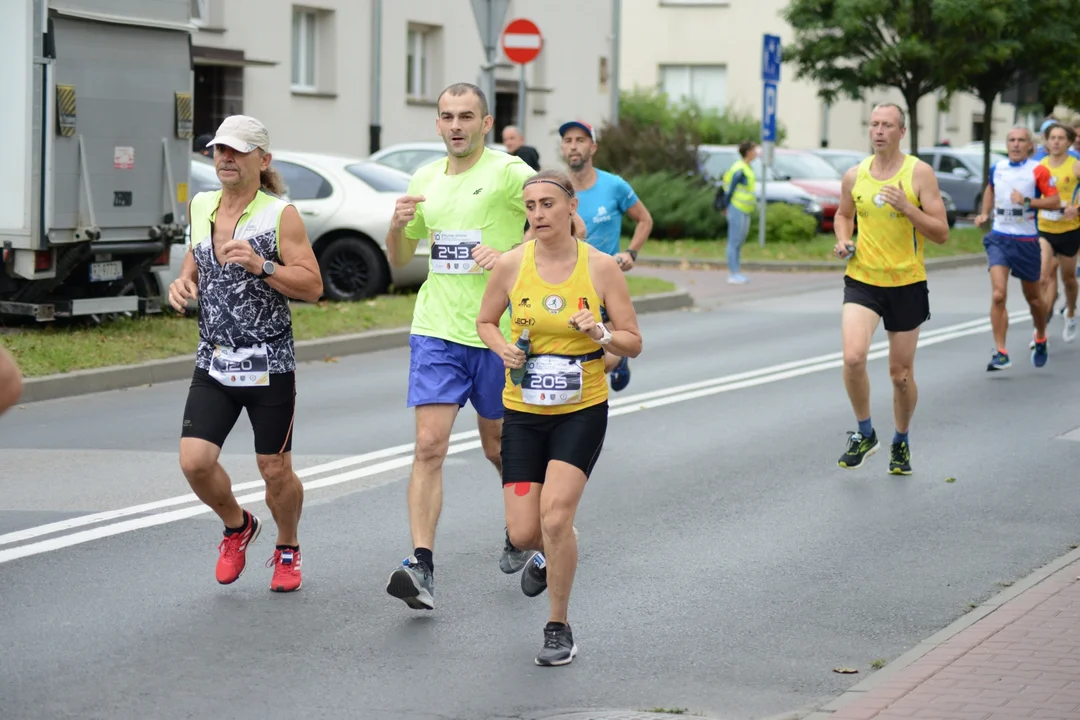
{"x": 417, "y": 64}
{"x": 304, "y": 50}
{"x": 200, "y": 12}
{"x": 704, "y": 84}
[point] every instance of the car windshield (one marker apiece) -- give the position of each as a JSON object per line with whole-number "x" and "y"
{"x": 798, "y": 166}
{"x": 380, "y": 177}
{"x": 716, "y": 162}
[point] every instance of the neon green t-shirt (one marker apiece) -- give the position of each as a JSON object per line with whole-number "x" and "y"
{"x": 483, "y": 205}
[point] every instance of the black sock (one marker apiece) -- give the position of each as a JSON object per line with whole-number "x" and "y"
{"x": 242, "y": 528}
{"x": 424, "y": 556}
{"x": 294, "y": 548}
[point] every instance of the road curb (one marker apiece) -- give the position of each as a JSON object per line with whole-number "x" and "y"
{"x": 119, "y": 377}
{"x": 860, "y": 689}
{"x": 798, "y": 266}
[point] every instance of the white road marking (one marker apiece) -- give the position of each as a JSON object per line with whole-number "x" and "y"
{"x": 401, "y": 455}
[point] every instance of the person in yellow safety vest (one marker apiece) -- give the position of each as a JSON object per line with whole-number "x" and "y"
{"x": 738, "y": 183}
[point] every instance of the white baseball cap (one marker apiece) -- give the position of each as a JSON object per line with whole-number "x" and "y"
{"x": 242, "y": 133}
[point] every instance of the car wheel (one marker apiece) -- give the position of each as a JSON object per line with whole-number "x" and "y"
{"x": 352, "y": 269}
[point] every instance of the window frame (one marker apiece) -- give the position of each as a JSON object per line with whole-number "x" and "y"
{"x": 417, "y": 53}
{"x": 305, "y": 28}
{"x": 203, "y": 20}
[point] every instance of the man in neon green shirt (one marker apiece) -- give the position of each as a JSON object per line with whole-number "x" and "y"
{"x": 469, "y": 206}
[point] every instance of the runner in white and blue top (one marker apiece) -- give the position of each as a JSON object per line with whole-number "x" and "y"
{"x": 1018, "y": 187}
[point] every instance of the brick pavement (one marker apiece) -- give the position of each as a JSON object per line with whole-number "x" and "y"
{"x": 1020, "y": 660}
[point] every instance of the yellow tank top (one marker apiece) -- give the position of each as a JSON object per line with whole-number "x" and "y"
{"x": 888, "y": 249}
{"x": 564, "y": 371}
{"x": 1063, "y": 178}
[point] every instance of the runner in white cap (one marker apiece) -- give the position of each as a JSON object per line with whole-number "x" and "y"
{"x": 249, "y": 255}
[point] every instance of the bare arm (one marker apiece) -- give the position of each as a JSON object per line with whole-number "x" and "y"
{"x": 298, "y": 276}
{"x": 644, "y": 223}
{"x": 11, "y": 382}
{"x": 931, "y": 219}
{"x": 844, "y": 220}
{"x": 399, "y": 249}
{"x": 496, "y": 295}
{"x": 611, "y": 283}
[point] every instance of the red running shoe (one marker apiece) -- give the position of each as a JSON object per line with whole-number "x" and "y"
{"x": 286, "y": 564}
{"x": 233, "y": 549}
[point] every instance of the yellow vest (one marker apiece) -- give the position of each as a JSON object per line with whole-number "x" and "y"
{"x": 888, "y": 250}
{"x": 564, "y": 371}
{"x": 1063, "y": 177}
{"x": 742, "y": 197}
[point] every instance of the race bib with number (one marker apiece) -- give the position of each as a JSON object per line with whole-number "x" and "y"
{"x": 451, "y": 252}
{"x": 551, "y": 381}
{"x": 1051, "y": 215}
{"x": 241, "y": 367}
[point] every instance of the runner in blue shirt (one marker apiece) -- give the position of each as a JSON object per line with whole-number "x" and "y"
{"x": 603, "y": 198}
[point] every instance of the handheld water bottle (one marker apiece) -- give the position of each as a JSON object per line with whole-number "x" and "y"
{"x": 518, "y": 374}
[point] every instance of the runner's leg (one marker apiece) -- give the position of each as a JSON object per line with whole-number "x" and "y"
{"x": 1048, "y": 276}
{"x": 857, "y": 325}
{"x": 433, "y": 426}
{"x": 999, "y": 314}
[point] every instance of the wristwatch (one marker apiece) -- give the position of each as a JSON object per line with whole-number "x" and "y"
{"x": 268, "y": 269}
{"x": 632, "y": 254}
{"x": 1027, "y": 203}
{"x": 606, "y": 337}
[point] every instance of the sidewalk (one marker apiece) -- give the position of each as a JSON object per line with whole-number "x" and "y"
{"x": 710, "y": 287}
{"x": 1016, "y": 656}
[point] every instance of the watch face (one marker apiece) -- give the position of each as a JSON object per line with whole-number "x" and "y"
{"x": 268, "y": 267}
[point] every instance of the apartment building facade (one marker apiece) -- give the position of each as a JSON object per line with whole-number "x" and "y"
{"x": 710, "y": 50}
{"x": 310, "y": 72}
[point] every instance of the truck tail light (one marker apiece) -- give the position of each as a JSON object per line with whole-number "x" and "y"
{"x": 162, "y": 259}
{"x": 42, "y": 260}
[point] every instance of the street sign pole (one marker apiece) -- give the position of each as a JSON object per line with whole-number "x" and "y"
{"x": 489, "y": 15}
{"x": 770, "y": 77}
{"x": 522, "y": 43}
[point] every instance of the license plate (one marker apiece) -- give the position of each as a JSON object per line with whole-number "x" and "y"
{"x": 106, "y": 271}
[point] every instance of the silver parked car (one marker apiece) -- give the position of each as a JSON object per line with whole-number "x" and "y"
{"x": 408, "y": 157}
{"x": 346, "y": 205}
{"x": 960, "y": 173}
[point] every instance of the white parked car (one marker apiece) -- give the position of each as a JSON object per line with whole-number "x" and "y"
{"x": 346, "y": 204}
{"x": 408, "y": 157}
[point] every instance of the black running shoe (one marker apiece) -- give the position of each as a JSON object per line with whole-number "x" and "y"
{"x": 559, "y": 647}
{"x": 859, "y": 448}
{"x": 900, "y": 459}
{"x": 512, "y": 559}
{"x": 534, "y": 576}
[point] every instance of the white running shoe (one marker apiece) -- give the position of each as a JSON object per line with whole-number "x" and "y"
{"x": 1068, "y": 333}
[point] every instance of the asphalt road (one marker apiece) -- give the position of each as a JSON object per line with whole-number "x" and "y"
{"x": 727, "y": 564}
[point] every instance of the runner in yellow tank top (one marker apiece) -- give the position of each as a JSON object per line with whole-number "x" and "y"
{"x": 556, "y": 396}
{"x": 1059, "y": 229}
{"x": 899, "y": 205}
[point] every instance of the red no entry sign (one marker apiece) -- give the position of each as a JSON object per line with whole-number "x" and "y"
{"x": 522, "y": 41}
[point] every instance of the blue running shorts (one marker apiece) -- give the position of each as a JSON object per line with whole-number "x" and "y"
{"x": 1022, "y": 255}
{"x": 441, "y": 371}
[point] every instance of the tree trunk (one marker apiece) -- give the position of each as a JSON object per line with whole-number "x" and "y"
{"x": 913, "y": 120}
{"x": 988, "y": 107}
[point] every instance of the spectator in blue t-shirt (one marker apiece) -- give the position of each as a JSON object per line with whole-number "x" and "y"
{"x": 603, "y": 199}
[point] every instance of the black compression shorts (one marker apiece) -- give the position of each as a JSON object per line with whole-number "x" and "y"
{"x": 902, "y": 308}
{"x": 212, "y": 410}
{"x": 530, "y": 441}
{"x": 1066, "y": 244}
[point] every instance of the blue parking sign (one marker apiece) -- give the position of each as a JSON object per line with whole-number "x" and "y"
{"x": 768, "y": 113}
{"x": 770, "y": 59}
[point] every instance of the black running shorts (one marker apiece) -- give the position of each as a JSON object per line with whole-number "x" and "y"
{"x": 1066, "y": 244}
{"x": 212, "y": 410}
{"x": 902, "y": 308}
{"x": 530, "y": 441}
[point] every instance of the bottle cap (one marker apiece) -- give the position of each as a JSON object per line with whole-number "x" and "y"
{"x": 525, "y": 334}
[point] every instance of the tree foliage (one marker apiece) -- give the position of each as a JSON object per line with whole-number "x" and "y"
{"x": 656, "y": 135}
{"x": 993, "y": 43}
{"x": 850, "y": 46}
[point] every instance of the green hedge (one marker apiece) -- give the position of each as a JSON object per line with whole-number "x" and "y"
{"x": 682, "y": 207}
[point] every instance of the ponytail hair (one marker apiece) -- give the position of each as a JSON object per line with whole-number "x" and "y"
{"x": 271, "y": 181}
{"x": 557, "y": 177}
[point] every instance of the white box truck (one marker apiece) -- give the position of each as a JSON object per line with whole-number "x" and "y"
{"x": 96, "y": 126}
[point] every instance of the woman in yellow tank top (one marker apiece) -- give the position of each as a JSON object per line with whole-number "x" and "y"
{"x": 1060, "y": 228}
{"x": 556, "y": 396}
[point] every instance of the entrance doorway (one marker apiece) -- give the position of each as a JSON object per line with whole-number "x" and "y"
{"x": 219, "y": 92}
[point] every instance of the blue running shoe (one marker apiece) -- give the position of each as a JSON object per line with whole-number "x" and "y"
{"x": 620, "y": 376}
{"x": 1040, "y": 354}
{"x": 1000, "y": 361}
